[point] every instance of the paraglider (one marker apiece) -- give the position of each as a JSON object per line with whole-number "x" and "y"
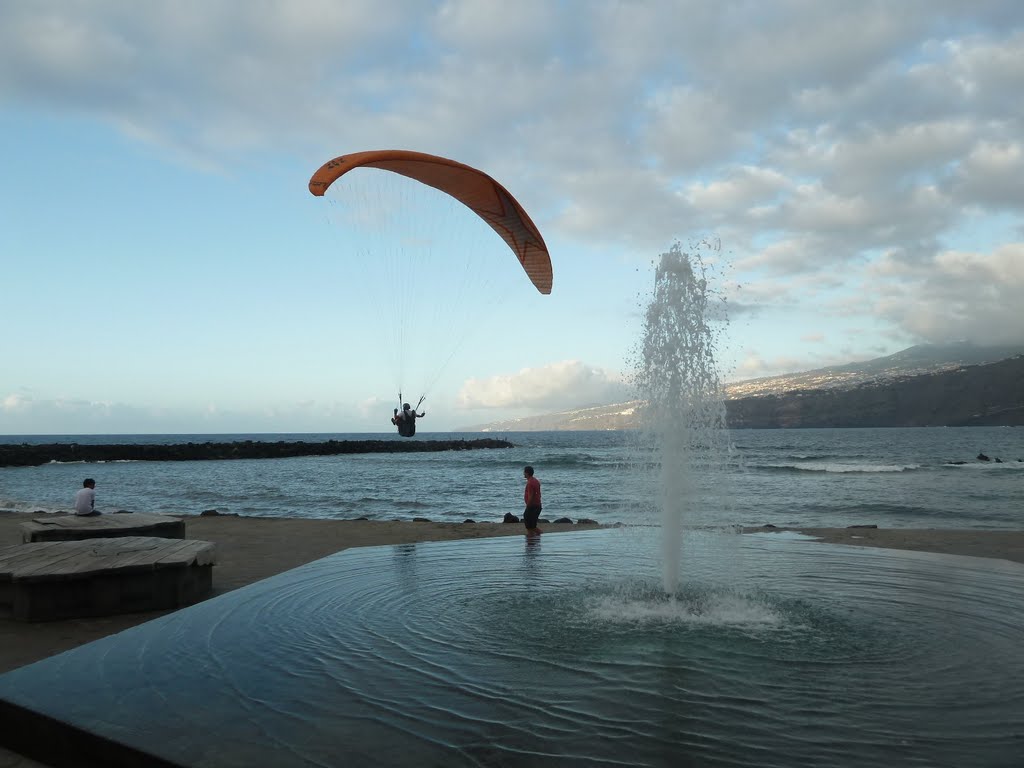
{"x": 460, "y": 184}
{"x": 471, "y": 187}
{"x": 406, "y": 420}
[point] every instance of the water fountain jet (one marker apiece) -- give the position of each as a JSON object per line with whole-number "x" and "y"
{"x": 676, "y": 376}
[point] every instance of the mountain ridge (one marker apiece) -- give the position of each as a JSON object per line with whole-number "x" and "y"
{"x": 923, "y": 385}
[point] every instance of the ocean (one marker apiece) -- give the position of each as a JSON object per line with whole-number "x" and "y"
{"x": 809, "y": 478}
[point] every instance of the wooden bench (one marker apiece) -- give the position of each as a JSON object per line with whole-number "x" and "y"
{"x": 74, "y": 527}
{"x": 50, "y": 580}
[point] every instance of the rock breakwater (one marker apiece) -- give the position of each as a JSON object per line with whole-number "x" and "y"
{"x": 30, "y": 455}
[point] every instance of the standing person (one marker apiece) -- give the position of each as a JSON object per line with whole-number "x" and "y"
{"x": 85, "y": 499}
{"x": 532, "y": 498}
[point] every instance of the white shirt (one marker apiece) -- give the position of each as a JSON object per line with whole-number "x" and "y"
{"x": 85, "y": 500}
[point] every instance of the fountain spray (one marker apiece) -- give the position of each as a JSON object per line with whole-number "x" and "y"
{"x": 676, "y": 376}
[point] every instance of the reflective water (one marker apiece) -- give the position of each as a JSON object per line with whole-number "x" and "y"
{"x": 775, "y": 652}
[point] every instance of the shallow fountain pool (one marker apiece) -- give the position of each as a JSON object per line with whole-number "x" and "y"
{"x": 566, "y": 651}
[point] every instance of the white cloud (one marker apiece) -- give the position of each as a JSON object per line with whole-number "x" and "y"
{"x": 958, "y": 295}
{"x": 810, "y": 135}
{"x": 738, "y": 188}
{"x": 755, "y": 366}
{"x": 24, "y": 414}
{"x": 992, "y": 175}
{"x": 568, "y": 384}
{"x": 686, "y": 129}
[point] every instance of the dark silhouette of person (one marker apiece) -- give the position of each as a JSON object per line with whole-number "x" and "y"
{"x": 406, "y": 420}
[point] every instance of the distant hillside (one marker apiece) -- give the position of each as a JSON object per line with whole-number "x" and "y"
{"x": 926, "y": 385}
{"x": 913, "y": 361}
{"x": 974, "y": 395}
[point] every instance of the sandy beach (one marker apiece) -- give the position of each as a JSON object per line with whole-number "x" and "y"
{"x": 1006, "y": 545}
{"x": 250, "y": 549}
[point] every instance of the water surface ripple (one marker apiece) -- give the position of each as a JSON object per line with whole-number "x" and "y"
{"x": 567, "y": 652}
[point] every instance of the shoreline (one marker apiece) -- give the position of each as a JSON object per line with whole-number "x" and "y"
{"x": 1005, "y": 544}
{"x": 254, "y": 548}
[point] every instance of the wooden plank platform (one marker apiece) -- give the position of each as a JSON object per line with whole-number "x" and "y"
{"x": 49, "y": 580}
{"x": 74, "y": 527}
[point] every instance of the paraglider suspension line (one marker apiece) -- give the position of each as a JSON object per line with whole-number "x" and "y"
{"x": 419, "y": 402}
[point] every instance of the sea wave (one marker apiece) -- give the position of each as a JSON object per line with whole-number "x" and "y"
{"x": 26, "y": 507}
{"x": 550, "y": 462}
{"x": 886, "y": 509}
{"x": 835, "y": 468}
{"x": 984, "y": 465}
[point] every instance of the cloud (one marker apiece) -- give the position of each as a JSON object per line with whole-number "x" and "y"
{"x": 738, "y": 188}
{"x": 755, "y": 366}
{"x": 841, "y": 151}
{"x": 558, "y": 386}
{"x": 773, "y": 109}
{"x": 23, "y": 414}
{"x": 956, "y": 295}
{"x": 991, "y": 176}
{"x": 371, "y": 408}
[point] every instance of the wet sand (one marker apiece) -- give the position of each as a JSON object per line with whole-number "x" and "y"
{"x": 1006, "y": 545}
{"x": 250, "y": 549}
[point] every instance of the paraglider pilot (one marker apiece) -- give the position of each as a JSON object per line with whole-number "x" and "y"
{"x": 406, "y": 420}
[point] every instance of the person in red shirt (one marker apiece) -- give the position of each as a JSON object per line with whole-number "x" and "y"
{"x": 532, "y": 498}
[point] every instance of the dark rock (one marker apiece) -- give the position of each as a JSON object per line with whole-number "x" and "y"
{"x": 510, "y": 518}
{"x": 982, "y": 457}
{"x": 25, "y": 455}
{"x": 421, "y": 520}
{"x": 215, "y": 513}
{"x": 767, "y": 525}
{"x": 563, "y": 520}
{"x": 469, "y": 520}
{"x": 862, "y": 526}
{"x": 586, "y": 521}
{"x": 123, "y": 512}
{"x": 362, "y": 518}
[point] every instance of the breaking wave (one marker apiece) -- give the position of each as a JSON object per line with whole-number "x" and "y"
{"x": 836, "y": 468}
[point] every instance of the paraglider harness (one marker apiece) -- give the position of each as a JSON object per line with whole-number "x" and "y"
{"x": 407, "y": 424}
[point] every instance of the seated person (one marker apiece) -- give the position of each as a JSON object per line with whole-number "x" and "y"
{"x": 85, "y": 499}
{"x": 406, "y": 420}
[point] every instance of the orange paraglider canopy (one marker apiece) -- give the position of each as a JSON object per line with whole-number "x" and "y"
{"x": 475, "y": 189}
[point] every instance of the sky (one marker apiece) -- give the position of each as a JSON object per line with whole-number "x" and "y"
{"x": 849, "y": 173}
